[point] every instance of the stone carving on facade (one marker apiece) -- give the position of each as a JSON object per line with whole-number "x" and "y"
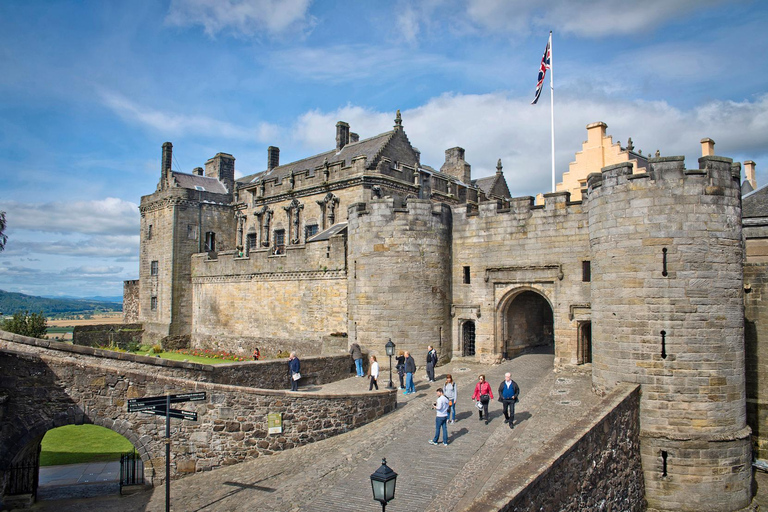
{"x": 326, "y": 170}
{"x": 293, "y": 210}
{"x": 240, "y": 220}
{"x": 328, "y": 206}
{"x": 265, "y": 218}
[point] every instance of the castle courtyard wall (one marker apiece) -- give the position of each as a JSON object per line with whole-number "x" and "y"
{"x": 756, "y": 351}
{"x": 274, "y": 302}
{"x": 517, "y": 248}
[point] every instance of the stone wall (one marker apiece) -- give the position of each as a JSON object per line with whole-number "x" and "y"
{"x": 52, "y": 388}
{"x": 265, "y": 374}
{"x": 117, "y": 335}
{"x": 512, "y": 249}
{"x": 597, "y": 467}
{"x": 756, "y": 349}
{"x": 131, "y": 310}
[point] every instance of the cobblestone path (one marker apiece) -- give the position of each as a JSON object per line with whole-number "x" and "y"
{"x": 333, "y": 475}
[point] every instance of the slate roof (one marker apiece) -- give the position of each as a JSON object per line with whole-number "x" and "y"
{"x": 755, "y": 203}
{"x": 328, "y": 233}
{"x": 192, "y": 181}
{"x": 493, "y": 185}
{"x": 370, "y": 148}
{"x": 746, "y": 187}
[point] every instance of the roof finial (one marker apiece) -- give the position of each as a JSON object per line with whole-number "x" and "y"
{"x": 498, "y": 167}
{"x": 398, "y": 120}
{"x": 630, "y": 146}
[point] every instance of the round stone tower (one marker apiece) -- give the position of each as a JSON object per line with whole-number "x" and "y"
{"x": 399, "y": 279}
{"x": 668, "y": 313}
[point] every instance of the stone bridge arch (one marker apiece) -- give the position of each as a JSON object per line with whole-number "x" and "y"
{"x": 524, "y": 320}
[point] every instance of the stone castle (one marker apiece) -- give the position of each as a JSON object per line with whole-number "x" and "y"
{"x": 642, "y": 280}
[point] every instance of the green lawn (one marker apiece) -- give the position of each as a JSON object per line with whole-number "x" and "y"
{"x": 73, "y": 444}
{"x": 185, "y": 357}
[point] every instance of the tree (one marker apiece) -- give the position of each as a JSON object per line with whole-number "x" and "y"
{"x": 33, "y": 325}
{"x": 3, "y": 236}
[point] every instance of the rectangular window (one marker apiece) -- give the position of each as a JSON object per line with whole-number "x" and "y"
{"x": 153, "y": 303}
{"x": 251, "y": 241}
{"x": 210, "y": 241}
{"x": 279, "y": 241}
{"x": 149, "y": 232}
{"x": 586, "y": 271}
{"x": 466, "y": 275}
{"x": 153, "y": 268}
{"x": 310, "y": 231}
{"x": 191, "y": 232}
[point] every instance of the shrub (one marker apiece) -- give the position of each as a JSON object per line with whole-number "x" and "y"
{"x": 33, "y": 325}
{"x": 157, "y": 349}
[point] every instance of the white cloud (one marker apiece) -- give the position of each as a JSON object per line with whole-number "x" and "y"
{"x": 242, "y": 17}
{"x": 593, "y": 19}
{"x": 84, "y": 271}
{"x": 179, "y": 124}
{"x": 110, "y": 216}
{"x": 493, "y": 126}
{"x": 118, "y": 248}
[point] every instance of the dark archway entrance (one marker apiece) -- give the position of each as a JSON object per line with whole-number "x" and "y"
{"x": 468, "y": 338}
{"x": 585, "y": 342}
{"x": 528, "y": 323}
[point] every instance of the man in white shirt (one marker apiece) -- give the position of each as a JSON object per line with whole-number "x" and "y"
{"x": 441, "y": 418}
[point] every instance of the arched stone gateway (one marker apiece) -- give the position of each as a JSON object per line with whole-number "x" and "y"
{"x": 527, "y": 321}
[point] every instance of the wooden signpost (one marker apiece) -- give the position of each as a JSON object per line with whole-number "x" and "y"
{"x": 161, "y": 406}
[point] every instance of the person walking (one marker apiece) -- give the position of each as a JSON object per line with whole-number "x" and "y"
{"x": 431, "y": 362}
{"x": 256, "y": 354}
{"x": 400, "y": 367}
{"x": 410, "y": 369}
{"x": 294, "y": 366}
{"x": 357, "y": 355}
{"x": 374, "y": 373}
{"x": 441, "y": 418}
{"x": 449, "y": 391}
{"x": 483, "y": 395}
{"x": 509, "y": 393}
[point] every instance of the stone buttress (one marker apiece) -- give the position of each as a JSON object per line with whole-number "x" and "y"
{"x": 668, "y": 313}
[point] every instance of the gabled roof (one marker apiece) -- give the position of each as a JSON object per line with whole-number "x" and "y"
{"x": 755, "y": 203}
{"x": 195, "y": 182}
{"x": 494, "y": 185}
{"x": 371, "y": 148}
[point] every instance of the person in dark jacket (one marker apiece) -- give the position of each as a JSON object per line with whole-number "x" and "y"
{"x": 410, "y": 369}
{"x": 294, "y": 367}
{"x": 509, "y": 393}
{"x": 400, "y": 367}
{"x": 357, "y": 355}
{"x": 431, "y": 362}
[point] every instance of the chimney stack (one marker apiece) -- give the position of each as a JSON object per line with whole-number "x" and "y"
{"x": 273, "y": 157}
{"x": 167, "y": 162}
{"x": 197, "y": 171}
{"x": 707, "y": 147}
{"x": 749, "y": 173}
{"x": 342, "y": 135}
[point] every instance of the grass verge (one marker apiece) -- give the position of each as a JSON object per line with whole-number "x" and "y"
{"x": 73, "y": 444}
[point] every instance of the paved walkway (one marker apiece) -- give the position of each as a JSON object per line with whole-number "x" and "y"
{"x": 334, "y": 474}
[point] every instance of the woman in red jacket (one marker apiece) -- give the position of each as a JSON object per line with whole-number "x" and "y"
{"x": 483, "y": 395}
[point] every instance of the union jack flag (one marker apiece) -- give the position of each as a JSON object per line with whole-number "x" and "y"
{"x": 546, "y": 63}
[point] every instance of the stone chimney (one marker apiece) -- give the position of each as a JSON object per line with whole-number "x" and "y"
{"x": 596, "y": 133}
{"x": 273, "y": 157}
{"x": 166, "y": 164}
{"x": 197, "y": 171}
{"x": 342, "y": 135}
{"x": 222, "y": 167}
{"x": 456, "y": 166}
{"x": 749, "y": 173}
{"x": 707, "y": 147}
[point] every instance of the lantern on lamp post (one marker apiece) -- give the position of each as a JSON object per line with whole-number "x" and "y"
{"x": 390, "y": 348}
{"x": 383, "y": 482}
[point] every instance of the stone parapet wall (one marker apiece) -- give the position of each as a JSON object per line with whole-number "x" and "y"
{"x": 117, "y": 335}
{"x": 756, "y": 349}
{"x": 265, "y": 374}
{"x": 596, "y": 468}
{"x": 52, "y": 389}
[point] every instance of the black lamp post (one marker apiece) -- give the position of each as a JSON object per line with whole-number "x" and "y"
{"x": 390, "y": 348}
{"x": 383, "y": 482}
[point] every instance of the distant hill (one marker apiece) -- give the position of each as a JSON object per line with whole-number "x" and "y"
{"x": 96, "y": 298}
{"x": 11, "y": 302}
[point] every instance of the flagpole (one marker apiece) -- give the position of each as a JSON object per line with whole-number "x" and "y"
{"x": 552, "y": 106}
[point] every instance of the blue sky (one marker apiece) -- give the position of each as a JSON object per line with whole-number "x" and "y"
{"x": 90, "y": 90}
